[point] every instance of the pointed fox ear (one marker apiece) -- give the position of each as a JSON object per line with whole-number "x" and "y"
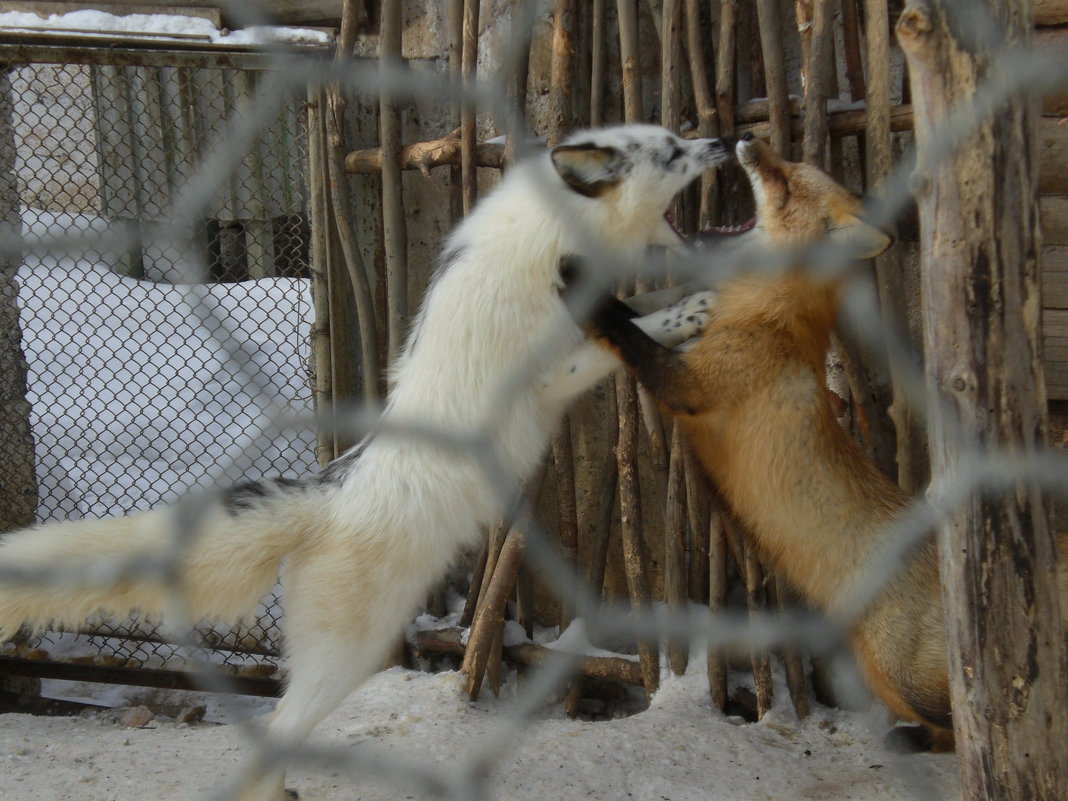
{"x": 588, "y": 169}
{"x": 862, "y": 240}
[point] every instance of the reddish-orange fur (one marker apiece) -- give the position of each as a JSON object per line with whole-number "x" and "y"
{"x": 750, "y": 397}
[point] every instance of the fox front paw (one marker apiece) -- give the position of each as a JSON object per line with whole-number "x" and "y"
{"x": 688, "y": 317}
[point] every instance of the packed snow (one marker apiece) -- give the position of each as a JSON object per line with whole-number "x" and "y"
{"x": 142, "y": 391}
{"x": 155, "y": 27}
{"x": 402, "y": 724}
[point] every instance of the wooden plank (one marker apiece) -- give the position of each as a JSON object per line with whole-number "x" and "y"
{"x": 1053, "y": 156}
{"x": 1055, "y": 277}
{"x": 1054, "y": 41}
{"x": 1053, "y": 213}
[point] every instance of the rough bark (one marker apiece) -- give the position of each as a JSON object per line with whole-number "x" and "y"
{"x": 18, "y": 489}
{"x": 979, "y": 241}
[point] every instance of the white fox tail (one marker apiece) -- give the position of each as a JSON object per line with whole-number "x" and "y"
{"x": 226, "y": 560}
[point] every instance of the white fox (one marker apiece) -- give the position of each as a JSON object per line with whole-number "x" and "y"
{"x": 364, "y": 539}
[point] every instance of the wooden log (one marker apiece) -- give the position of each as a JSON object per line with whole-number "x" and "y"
{"x": 1051, "y": 12}
{"x": 979, "y": 243}
{"x": 605, "y": 668}
{"x": 424, "y": 156}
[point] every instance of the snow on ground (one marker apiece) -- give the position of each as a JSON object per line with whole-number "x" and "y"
{"x": 680, "y": 749}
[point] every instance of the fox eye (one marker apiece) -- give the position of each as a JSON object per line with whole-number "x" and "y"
{"x": 676, "y": 154}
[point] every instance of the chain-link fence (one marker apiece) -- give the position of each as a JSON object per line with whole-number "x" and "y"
{"x": 129, "y": 395}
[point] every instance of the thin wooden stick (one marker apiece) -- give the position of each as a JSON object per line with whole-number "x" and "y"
{"x": 774, "y": 75}
{"x": 854, "y": 73}
{"x": 756, "y": 598}
{"x": 631, "y": 525}
{"x": 456, "y": 58}
{"x": 561, "y": 70}
{"x": 490, "y": 616}
{"x": 564, "y": 458}
{"x": 394, "y": 227}
{"x": 468, "y": 165}
{"x": 675, "y": 594}
{"x": 339, "y": 195}
{"x": 906, "y": 437}
{"x": 318, "y": 212}
{"x": 475, "y": 589}
{"x": 698, "y": 510}
{"x": 597, "y": 63}
{"x": 424, "y": 156}
{"x": 814, "y": 142}
{"x": 717, "y": 597}
{"x": 627, "y": 13}
{"x": 795, "y": 668}
{"x": 707, "y": 124}
{"x": 725, "y": 65}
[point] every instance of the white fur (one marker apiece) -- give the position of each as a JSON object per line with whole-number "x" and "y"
{"x": 362, "y": 548}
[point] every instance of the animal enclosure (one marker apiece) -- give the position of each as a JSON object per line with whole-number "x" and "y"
{"x": 315, "y": 191}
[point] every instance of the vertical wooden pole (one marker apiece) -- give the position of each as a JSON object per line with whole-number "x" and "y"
{"x": 342, "y": 207}
{"x": 394, "y": 228}
{"x": 979, "y": 242}
{"x": 911, "y": 468}
{"x": 18, "y": 496}
{"x": 775, "y": 75}
{"x": 597, "y": 63}
{"x": 633, "y": 107}
{"x": 468, "y": 127}
{"x": 818, "y": 35}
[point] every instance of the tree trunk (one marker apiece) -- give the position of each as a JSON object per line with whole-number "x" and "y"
{"x": 979, "y": 239}
{"x": 18, "y": 489}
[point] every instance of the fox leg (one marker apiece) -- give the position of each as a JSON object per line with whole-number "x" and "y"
{"x": 663, "y": 371}
{"x": 590, "y": 362}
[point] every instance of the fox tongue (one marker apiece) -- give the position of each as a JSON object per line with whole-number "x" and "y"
{"x": 669, "y": 215}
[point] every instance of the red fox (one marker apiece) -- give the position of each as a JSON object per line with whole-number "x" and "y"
{"x": 750, "y": 397}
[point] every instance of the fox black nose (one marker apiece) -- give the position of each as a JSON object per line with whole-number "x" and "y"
{"x": 747, "y": 136}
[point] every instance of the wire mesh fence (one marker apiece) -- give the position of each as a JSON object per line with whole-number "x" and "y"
{"x": 249, "y": 221}
{"x": 129, "y": 396}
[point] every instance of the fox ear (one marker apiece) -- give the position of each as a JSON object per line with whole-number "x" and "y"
{"x": 862, "y": 240}
{"x": 588, "y": 169}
